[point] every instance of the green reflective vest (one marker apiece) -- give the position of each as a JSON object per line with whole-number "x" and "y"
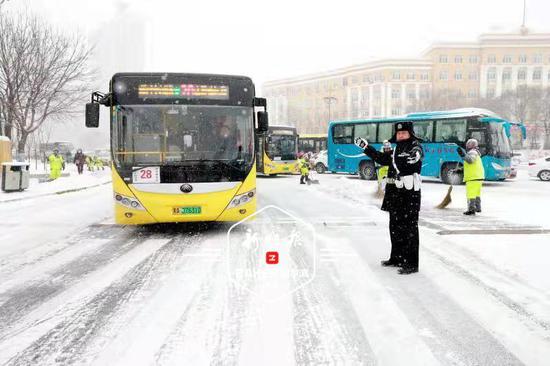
{"x": 474, "y": 170}
{"x": 56, "y": 162}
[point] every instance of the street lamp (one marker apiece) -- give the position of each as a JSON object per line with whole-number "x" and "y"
{"x": 329, "y": 101}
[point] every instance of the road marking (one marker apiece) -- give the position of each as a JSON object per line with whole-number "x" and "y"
{"x": 385, "y": 325}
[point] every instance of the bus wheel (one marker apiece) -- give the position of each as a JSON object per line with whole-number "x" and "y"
{"x": 367, "y": 171}
{"x": 320, "y": 168}
{"x": 451, "y": 175}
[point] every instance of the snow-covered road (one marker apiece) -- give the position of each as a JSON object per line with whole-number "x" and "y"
{"x": 75, "y": 289}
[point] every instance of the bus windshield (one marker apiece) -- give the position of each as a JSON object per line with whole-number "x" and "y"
{"x": 499, "y": 141}
{"x": 282, "y": 147}
{"x": 179, "y": 134}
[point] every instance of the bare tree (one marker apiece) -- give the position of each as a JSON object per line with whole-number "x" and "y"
{"x": 43, "y": 75}
{"x": 545, "y": 116}
{"x": 438, "y": 100}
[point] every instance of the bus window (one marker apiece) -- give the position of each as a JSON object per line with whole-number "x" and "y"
{"x": 424, "y": 130}
{"x": 343, "y": 134}
{"x": 366, "y": 131}
{"x": 451, "y": 130}
{"x": 385, "y": 131}
{"x": 478, "y": 130}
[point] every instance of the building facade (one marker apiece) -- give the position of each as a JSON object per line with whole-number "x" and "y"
{"x": 469, "y": 71}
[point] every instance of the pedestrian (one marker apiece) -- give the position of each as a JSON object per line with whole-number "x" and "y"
{"x": 79, "y": 160}
{"x": 56, "y": 164}
{"x": 303, "y": 164}
{"x": 474, "y": 174}
{"x": 402, "y": 196}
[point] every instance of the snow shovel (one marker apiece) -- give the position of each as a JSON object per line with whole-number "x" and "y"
{"x": 312, "y": 181}
{"x": 446, "y": 200}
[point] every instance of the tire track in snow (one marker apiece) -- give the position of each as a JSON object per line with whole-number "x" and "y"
{"x": 192, "y": 341}
{"x": 33, "y": 256}
{"x": 522, "y": 291}
{"x": 326, "y": 327}
{"x": 43, "y": 325}
{"x": 453, "y": 336}
{"x": 22, "y": 299}
{"x": 504, "y": 299}
{"x": 160, "y": 316}
{"x": 105, "y": 314}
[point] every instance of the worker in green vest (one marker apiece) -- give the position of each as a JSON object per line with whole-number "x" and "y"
{"x": 303, "y": 163}
{"x": 474, "y": 174}
{"x": 383, "y": 169}
{"x": 98, "y": 163}
{"x": 56, "y": 164}
{"x": 90, "y": 163}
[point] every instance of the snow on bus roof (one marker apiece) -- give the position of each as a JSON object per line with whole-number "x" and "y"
{"x": 487, "y": 116}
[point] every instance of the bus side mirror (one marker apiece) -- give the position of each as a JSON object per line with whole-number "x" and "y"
{"x": 263, "y": 124}
{"x": 92, "y": 115}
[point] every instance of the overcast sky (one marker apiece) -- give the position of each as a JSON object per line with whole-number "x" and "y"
{"x": 281, "y": 38}
{"x": 267, "y": 40}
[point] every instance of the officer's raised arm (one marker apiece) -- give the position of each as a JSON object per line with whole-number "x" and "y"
{"x": 371, "y": 152}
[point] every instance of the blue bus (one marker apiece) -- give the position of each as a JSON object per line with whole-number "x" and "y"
{"x": 441, "y": 131}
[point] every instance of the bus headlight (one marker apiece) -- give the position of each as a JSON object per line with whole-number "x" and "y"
{"x": 128, "y": 202}
{"x": 241, "y": 199}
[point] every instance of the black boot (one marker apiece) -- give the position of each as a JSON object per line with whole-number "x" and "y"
{"x": 407, "y": 270}
{"x": 390, "y": 263}
{"x": 471, "y": 208}
{"x": 478, "y": 204}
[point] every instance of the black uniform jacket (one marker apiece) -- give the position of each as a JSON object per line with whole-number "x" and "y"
{"x": 408, "y": 157}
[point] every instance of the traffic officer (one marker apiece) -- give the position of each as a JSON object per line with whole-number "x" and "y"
{"x": 474, "y": 174}
{"x": 56, "y": 164}
{"x": 402, "y": 197}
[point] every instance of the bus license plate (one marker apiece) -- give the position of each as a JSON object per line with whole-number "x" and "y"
{"x": 192, "y": 210}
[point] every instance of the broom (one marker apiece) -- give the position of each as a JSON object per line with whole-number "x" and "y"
{"x": 446, "y": 200}
{"x": 379, "y": 193}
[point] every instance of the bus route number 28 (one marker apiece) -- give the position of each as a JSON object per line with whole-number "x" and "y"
{"x": 146, "y": 175}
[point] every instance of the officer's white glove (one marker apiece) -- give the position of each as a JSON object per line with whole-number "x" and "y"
{"x": 361, "y": 142}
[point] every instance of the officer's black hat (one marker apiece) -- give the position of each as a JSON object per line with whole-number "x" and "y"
{"x": 404, "y": 126}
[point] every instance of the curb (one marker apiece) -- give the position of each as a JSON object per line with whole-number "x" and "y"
{"x": 55, "y": 193}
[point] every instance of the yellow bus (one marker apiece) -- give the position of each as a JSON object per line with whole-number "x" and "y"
{"x": 182, "y": 146}
{"x": 277, "y": 151}
{"x": 312, "y": 142}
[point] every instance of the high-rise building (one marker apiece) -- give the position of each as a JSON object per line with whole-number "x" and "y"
{"x": 122, "y": 43}
{"x": 486, "y": 68}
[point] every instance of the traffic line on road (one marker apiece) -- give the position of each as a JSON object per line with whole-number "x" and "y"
{"x": 384, "y": 323}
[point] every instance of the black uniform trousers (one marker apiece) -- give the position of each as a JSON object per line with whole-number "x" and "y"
{"x": 404, "y": 238}
{"x": 403, "y": 206}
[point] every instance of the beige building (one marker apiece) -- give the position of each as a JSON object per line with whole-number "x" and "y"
{"x": 384, "y": 88}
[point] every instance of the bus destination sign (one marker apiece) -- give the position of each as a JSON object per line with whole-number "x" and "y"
{"x": 187, "y": 91}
